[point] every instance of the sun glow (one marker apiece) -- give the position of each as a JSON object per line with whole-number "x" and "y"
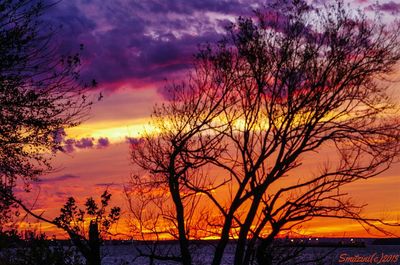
{"x": 115, "y": 131}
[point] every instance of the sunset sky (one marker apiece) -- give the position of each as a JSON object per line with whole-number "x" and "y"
{"x": 132, "y": 49}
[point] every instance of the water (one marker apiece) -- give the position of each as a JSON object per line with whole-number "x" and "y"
{"x": 202, "y": 254}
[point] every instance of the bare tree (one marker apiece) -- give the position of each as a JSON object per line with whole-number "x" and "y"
{"x": 173, "y": 156}
{"x": 40, "y": 94}
{"x": 149, "y": 218}
{"x": 296, "y": 82}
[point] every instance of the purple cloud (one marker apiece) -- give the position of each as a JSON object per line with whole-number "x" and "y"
{"x": 70, "y": 145}
{"x": 140, "y": 41}
{"x": 389, "y": 7}
{"x": 58, "y": 178}
{"x": 143, "y": 42}
{"x": 59, "y": 135}
{"x": 133, "y": 141}
{"x": 84, "y": 143}
{"x": 103, "y": 142}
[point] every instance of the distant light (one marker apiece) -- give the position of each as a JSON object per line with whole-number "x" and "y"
{"x": 309, "y": 239}
{"x": 316, "y": 239}
{"x": 291, "y": 240}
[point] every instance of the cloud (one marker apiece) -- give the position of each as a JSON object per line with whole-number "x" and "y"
{"x": 58, "y": 178}
{"x": 137, "y": 43}
{"x": 140, "y": 41}
{"x": 133, "y": 140}
{"x": 108, "y": 184}
{"x": 59, "y": 135}
{"x": 389, "y": 7}
{"x": 84, "y": 143}
{"x": 70, "y": 145}
{"x": 103, "y": 142}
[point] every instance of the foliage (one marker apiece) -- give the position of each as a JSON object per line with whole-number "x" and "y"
{"x": 38, "y": 250}
{"x": 40, "y": 95}
{"x": 9, "y": 238}
{"x": 74, "y": 219}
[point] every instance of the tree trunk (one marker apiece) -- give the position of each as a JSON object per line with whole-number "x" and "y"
{"x": 244, "y": 231}
{"x": 263, "y": 253}
{"x": 183, "y": 241}
{"x": 224, "y": 240}
{"x": 94, "y": 245}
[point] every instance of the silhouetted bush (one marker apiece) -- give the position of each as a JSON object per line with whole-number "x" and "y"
{"x": 38, "y": 250}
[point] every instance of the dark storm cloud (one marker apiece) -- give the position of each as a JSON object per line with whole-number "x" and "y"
{"x": 189, "y": 7}
{"x": 142, "y": 41}
{"x": 69, "y": 22}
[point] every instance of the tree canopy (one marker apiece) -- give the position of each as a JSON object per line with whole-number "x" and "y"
{"x": 289, "y": 83}
{"x": 40, "y": 95}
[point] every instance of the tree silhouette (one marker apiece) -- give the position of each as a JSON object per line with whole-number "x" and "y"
{"x": 171, "y": 157}
{"x": 40, "y": 95}
{"x": 86, "y": 228}
{"x": 74, "y": 222}
{"x": 287, "y": 85}
{"x": 37, "y": 249}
